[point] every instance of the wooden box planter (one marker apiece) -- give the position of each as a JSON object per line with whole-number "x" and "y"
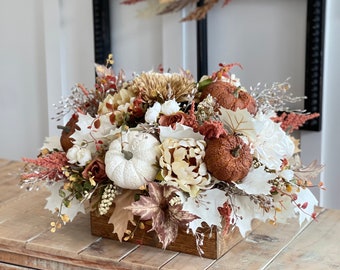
{"x": 215, "y": 244}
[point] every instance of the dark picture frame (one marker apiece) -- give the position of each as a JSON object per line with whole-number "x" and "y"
{"x": 314, "y": 50}
{"x": 101, "y": 30}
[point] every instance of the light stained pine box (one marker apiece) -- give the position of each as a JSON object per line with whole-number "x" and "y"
{"x": 215, "y": 244}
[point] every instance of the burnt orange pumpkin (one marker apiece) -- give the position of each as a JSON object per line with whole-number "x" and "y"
{"x": 65, "y": 140}
{"x": 228, "y": 159}
{"x": 230, "y": 96}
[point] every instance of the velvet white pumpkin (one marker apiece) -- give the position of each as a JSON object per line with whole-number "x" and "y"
{"x": 130, "y": 160}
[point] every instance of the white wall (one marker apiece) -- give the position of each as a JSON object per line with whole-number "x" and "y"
{"x": 330, "y": 143}
{"x": 46, "y": 47}
{"x": 23, "y": 99}
{"x": 267, "y": 37}
{"x": 142, "y": 43}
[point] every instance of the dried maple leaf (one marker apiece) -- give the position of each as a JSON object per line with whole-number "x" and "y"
{"x": 238, "y": 122}
{"x": 164, "y": 208}
{"x": 120, "y": 216}
{"x": 306, "y": 173}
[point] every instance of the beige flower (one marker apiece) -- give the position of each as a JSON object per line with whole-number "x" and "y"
{"x": 162, "y": 87}
{"x": 116, "y": 102}
{"x": 182, "y": 164}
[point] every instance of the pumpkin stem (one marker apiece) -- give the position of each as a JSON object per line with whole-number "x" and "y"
{"x": 127, "y": 154}
{"x": 236, "y": 92}
{"x": 236, "y": 151}
{"x": 67, "y": 129}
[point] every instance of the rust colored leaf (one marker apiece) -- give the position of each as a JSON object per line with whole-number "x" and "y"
{"x": 96, "y": 123}
{"x": 121, "y": 216}
{"x": 109, "y": 106}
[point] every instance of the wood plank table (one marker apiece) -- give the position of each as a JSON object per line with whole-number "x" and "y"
{"x": 27, "y": 243}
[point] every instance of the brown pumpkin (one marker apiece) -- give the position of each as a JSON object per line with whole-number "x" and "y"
{"x": 228, "y": 158}
{"x": 230, "y": 96}
{"x": 65, "y": 140}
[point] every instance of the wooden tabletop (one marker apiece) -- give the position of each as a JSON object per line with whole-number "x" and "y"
{"x": 27, "y": 243}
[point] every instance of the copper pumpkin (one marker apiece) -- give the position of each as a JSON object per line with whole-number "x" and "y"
{"x": 228, "y": 158}
{"x": 230, "y": 96}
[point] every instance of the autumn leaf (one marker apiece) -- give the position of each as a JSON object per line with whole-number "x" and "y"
{"x": 165, "y": 211}
{"x": 121, "y": 216}
{"x": 238, "y": 122}
{"x": 309, "y": 172}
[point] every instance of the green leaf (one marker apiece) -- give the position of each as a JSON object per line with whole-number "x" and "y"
{"x": 66, "y": 202}
{"x": 62, "y": 193}
{"x": 204, "y": 83}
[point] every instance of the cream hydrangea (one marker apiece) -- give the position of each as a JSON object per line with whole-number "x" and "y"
{"x": 182, "y": 164}
{"x": 271, "y": 144}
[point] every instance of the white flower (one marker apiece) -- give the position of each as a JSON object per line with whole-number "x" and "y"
{"x": 170, "y": 107}
{"x": 83, "y": 156}
{"x": 72, "y": 154}
{"x": 233, "y": 80}
{"x": 152, "y": 113}
{"x": 80, "y": 155}
{"x": 287, "y": 174}
{"x": 272, "y": 144}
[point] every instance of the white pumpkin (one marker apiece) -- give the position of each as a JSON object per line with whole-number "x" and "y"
{"x": 130, "y": 160}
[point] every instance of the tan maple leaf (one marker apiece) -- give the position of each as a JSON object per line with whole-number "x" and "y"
{"x": 238, "y": 122}
{"x": 120, "y": 216}
{"x": 307, "y": 173}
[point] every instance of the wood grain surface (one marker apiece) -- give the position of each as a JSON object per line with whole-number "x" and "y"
{"x": 27, "y": 243}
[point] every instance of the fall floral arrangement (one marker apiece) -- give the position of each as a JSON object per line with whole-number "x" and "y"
{"x": 199, "y": 9}
{"x": 178, "y": 152}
